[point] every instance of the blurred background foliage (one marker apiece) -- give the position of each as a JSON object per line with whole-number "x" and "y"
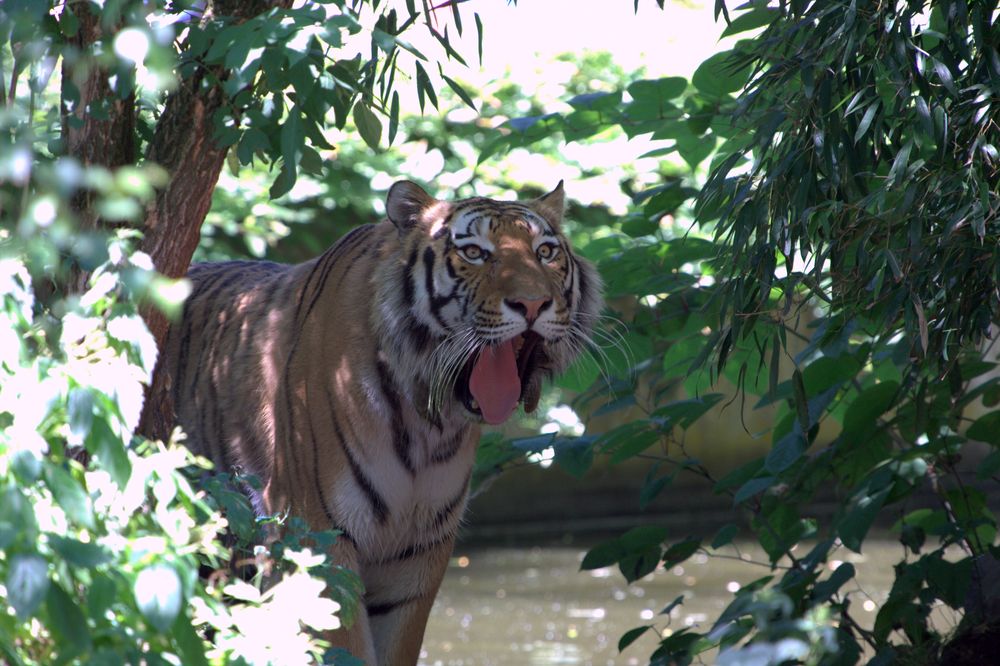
{"x": 802, "y": 243}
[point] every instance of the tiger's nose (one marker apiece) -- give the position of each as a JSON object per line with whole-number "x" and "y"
{"x": 529, "y": 308}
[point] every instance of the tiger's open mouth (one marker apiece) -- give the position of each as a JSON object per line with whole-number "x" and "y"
{"x": 498, "y": 378}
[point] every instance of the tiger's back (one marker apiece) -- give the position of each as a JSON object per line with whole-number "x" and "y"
{"x": 353, "y": 385}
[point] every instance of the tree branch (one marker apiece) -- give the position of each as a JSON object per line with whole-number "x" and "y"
{"x": 184, "y": 145}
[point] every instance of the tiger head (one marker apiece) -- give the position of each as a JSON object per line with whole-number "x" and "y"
{"x": 484, "y": 299}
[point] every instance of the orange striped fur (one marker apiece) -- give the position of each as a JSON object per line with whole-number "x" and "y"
{"x": 343, "y": 383}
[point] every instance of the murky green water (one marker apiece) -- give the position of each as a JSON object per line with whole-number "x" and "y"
{"x": 507, "y": 606}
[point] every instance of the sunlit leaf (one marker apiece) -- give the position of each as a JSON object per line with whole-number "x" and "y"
{"x": 27, "y": 583}
{"x": 158, "y": 595}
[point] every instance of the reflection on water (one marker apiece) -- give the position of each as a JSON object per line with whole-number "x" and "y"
{"x": 507, "y": 606}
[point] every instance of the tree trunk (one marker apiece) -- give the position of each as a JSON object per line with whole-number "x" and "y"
{"x": 182, "y": 144}
{"x": 94, "y": 139}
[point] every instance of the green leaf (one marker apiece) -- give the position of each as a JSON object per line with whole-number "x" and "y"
{"x": 718, "y": 75}
{"x": 986, "y": 428}
{"x": 614, "y": 550}
{"x": 658, "y": 90}
{"x": 653, "y": 486}
{"x": 459, "y": 90}
{"x": 826, "y": 372}
{"x": 827, "y": 588}
{"x": 596, "y": 101}
{"x": 694, "y": 149}
{"x": 70, "y": 495}
{"x": 581, "y": 374}
{"x": 631, "y": 636}
{"x": 603, "y": 555}
{"x": 110, "y": 451}
{"x": 393, "y": 117}
{"x": 685, "y": 413}
{"x": 424, "y": 87}
{"x": 866, "y": 120}
{"x": 949, "y": 580}
{"x": 753, "y": 487}
{"x": 679, "y": 600}
{"x": 479, "y": 36}
{"x": 80, "y": 410}
{"x": 637, "y": 226}
{"x": 67, "y": 620}
{"x": 369, "y": 126}
{"x": 101, "y": 594}
{"x": 725, "y": 535}
{"x": 190, "y": 646}
{"x": 898, "y": 169}
{"x": 634, "y": 444}
{"x": 739, "y": 476}
{"x": 640, "y": 563}
{"x": 575, "y": 455}
{"x": 751, "y": 20}
{"x": 158, "y": 595}
{"x": 989, "y": 466}
{"x": 861, "y": 416}
{"x": 642, "y": 537}
{"x": 681, "y": 551}
{"x": 801, "y": 401}
{"x": 863, "y": 507}
{"x": 79, "y": 554}
{"x": 27, "y": 583}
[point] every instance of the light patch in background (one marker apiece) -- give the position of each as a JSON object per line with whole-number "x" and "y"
{"x": 521, "y": 42}
{"x": 560, "y": 420}
{"x": 520, "y": 45}
{"x": 132, "y": 44}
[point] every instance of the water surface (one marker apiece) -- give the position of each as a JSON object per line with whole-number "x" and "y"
{"x": 518, "y": 607}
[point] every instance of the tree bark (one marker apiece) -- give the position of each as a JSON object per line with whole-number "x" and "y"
{"x": 95, "y": 139}
{"x": 183, "y": 144}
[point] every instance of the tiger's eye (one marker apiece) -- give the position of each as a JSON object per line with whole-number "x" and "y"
{"x": 473, "y": 252}
{"x": 546, "y": 251}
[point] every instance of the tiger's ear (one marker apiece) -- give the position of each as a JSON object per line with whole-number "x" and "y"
{"x": 406, "y": 204}
{"x": 552, "y": 205}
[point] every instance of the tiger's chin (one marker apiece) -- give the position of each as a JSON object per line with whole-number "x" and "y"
{"x": 494, "y": 382}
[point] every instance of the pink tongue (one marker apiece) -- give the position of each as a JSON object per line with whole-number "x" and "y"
{"x": 494, "y": 382}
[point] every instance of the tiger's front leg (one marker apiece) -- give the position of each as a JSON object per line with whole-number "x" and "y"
{"x": 356, "y": 639}
{"x": 398, "y": 621}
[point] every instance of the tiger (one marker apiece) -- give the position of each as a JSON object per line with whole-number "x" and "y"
{"x": 354, "y": 385}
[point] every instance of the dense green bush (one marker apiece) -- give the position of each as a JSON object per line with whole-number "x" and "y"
{"x": 848, "y": 230}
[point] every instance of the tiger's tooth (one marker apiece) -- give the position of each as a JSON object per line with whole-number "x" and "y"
{"x": 475, "y": 405}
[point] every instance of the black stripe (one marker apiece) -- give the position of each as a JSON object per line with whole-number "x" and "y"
{"x": 408, "y": 280}
{"x": 379, "y": 507}
{"x": 316, "y": 465}
{"x": 346, "y": 244}
{"x": 208, "y": 293}
{"x": 327, "y": 260}
{"x": 582, "y": 286}
{"x": 413, "y": 551}
{"x": 214, "y": 438}
{"x": 436, "y": 302}
{"x": 269, "y": 287}
{"x": 400, "y": 436}
{"x": 450, "y": 268}
{"x": 419, "y": 334}
{"x": 448, "y": 509}
{"x": 389, "y": 606}
{"x": 445, "y": 453}
{"x": 186, "y": 332}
